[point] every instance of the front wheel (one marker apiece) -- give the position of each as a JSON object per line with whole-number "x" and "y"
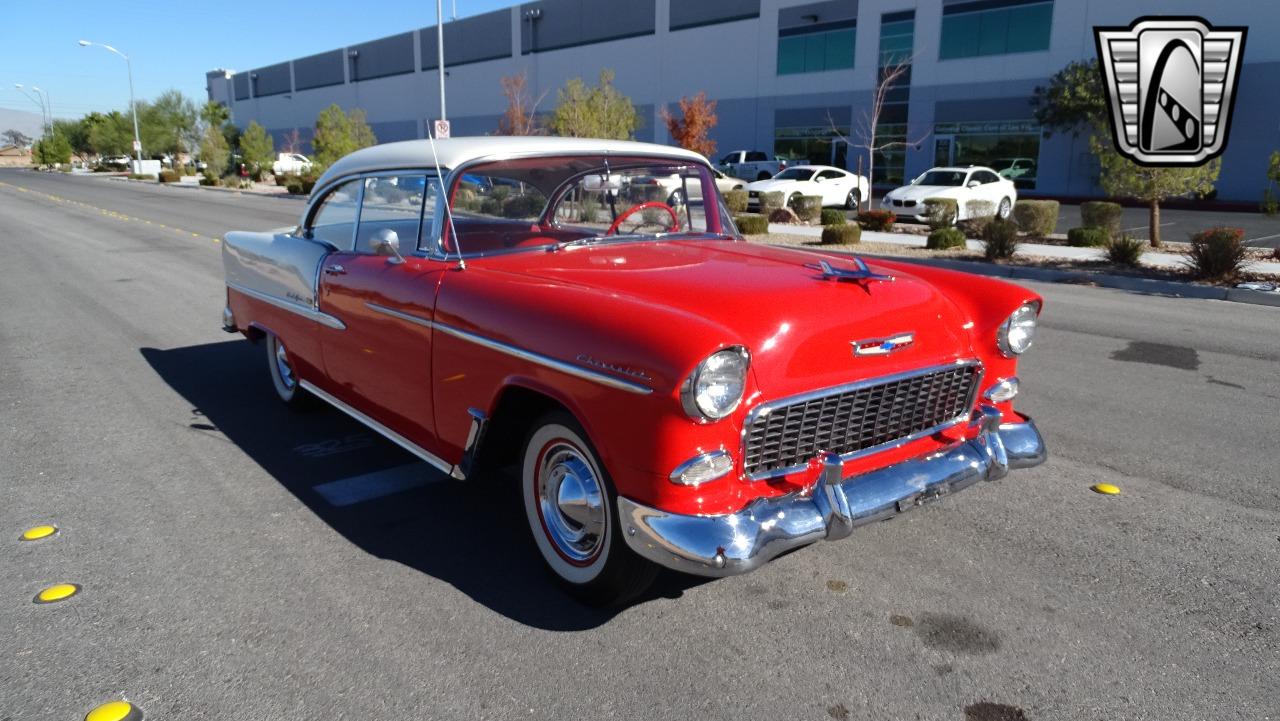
{"x": 572, "y": 509}
{"x": 852, "y": 200}
{"x": 1006, "y": 207}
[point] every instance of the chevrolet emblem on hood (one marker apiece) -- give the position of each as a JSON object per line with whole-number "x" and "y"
{"x": 883, "y": 346}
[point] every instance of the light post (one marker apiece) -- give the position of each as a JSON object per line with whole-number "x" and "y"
{"x": 43, "y": 122}
{"x": 440, "y": 53}
{"x": 47, "y": 105}
{"x": 133, "y": 106}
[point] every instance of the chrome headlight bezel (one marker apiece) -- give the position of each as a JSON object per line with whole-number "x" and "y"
{"x": 691, "y": 397}
{"x": 1018, "y": 332}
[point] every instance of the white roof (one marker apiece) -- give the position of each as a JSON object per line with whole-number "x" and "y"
{"x": 452, "y": 152}
{"x": 815, "y": 167}
{"x": 958, "y": 169}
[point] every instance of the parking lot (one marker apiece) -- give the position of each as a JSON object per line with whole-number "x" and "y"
{"x": 237, "y": 560}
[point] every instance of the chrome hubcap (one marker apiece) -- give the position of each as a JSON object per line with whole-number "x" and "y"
{"x": 283, "y": 368}
{"x": 571, "y": 502}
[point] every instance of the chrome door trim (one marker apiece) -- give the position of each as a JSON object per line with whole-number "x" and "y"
{"x": 305, "y": 311}
{"x": 408, "y": 317}
{"x": 382, "y": 430}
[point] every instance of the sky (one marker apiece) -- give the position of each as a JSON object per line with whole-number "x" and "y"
{"x": 173, "y": 43}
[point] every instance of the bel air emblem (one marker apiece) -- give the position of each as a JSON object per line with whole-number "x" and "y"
{"x": 883, "y": 346}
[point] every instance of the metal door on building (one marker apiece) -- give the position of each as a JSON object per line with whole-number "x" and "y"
{"x": 944, "y": 150}
{"x": 840, "y": 154}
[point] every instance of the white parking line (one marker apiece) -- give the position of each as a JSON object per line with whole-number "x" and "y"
{"x": 1265, "y": 237}
{"x": 368, "y": 486}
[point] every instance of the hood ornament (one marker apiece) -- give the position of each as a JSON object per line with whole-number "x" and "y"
{"x": 861, "y": 273}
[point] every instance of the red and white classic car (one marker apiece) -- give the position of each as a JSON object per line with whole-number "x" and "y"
{"x": 670, "y": 394}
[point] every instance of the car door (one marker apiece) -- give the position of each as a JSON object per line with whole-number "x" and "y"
{"x": 835, "y": 186}
{"x": 381, "y": 363}
{"x": 991, "y": 190}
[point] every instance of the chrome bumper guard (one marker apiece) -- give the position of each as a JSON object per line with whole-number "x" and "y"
{"x": 741, "y": 542}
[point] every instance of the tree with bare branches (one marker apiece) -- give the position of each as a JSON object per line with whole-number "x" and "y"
{"x": 697, "y": 118}
{"x": 865, "y": 131}
{"x": 292, "y": 141}
{"x": 520, "y": 117}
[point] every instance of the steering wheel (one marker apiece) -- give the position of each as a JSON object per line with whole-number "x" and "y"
{"x": 675, "y": 219}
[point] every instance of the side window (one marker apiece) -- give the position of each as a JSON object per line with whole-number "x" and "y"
{"x": 395, "y": 203}
{"x": 335, "y": 222}
{"x": 829, "y": 174}
{"x": 986, "y": 176}
{"x": 755, "y": 157}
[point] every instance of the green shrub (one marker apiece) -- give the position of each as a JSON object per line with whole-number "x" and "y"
{"x": 207, "y": 181}
{"x": 770, "y": 201}
{"x": 1218, "y": 253}
{"x": 588, "y": 210}
{"x": 1000, "y": 240}
{"x": 522, "y": 206}
{"x": 783, "y": 215}
{"x": 945, "y": 238}
{"x": 831, "y": 216}
{"x": 1269, "y": 207}
{"x": 877, "y": 219}
{"x": 283, "y": 179}
{"x": 1125, "y": 250}
{"x": 1088, "y": 237}
{"x": 940, "y": 212}
{"x": 808, "y": 208}
{"x": 141, "y": 176}
{"x": 751, "y": 224}
{"x": 736, "y": 201}
{"x": 1101, "y": 214}
{"x": 1036, "y": 217}
{"x": 841, "y": 234}
{"x": 169, "y": 176}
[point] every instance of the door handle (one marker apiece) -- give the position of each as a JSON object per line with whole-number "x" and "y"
{"x": 335, "y": 270}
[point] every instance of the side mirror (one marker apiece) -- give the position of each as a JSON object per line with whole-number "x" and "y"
{"x": 974, "y": 183}
{"x": 386, "y": 242}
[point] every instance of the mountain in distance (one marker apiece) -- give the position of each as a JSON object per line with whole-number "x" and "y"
{"x": 20, "y": 120}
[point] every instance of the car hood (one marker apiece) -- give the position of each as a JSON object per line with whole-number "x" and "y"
{"x": 920, "y": 192}
{"x": 798, "y": 326}
{"x": 765, "y": 186}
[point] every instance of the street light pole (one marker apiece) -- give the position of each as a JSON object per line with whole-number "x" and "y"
{"x": 46, "y": 106}
{"x": 133, "y": 105}
{"x": 20, "y": 87}
{"x": 440, "y": 53}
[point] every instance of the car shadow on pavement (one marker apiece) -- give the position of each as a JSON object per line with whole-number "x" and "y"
{"x": 472, "y": 535}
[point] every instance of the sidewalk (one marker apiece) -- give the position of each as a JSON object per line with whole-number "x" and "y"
{"x": 1154, "y": 259}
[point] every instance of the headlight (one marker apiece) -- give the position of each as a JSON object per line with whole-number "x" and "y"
{"x": 1018, "y": 331}
{"x": 715, "y": 387}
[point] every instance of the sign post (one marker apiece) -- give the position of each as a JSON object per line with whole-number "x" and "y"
{"x": 441, "y": 129}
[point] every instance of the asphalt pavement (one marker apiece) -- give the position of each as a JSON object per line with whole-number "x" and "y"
{"x": 230, "y": 567}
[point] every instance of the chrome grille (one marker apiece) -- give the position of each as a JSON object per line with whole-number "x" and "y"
{"x": 859, "y": 417}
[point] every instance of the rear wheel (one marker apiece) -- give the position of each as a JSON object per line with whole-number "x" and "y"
{"x": 283, "y": 376}
{"x": 572, "y": 510}
{"x": 852, "y": 200}
{"x": 794, "y": 201}
{"x": 1006, "y": 207}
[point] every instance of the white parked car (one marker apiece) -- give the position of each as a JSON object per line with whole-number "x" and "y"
{"x": 293, "y": 163}
{"x": 750, "y": 164}
{"x": 959, "y": 184}
{"x": 675, "y": 190}
{"x": 837, "y": 187}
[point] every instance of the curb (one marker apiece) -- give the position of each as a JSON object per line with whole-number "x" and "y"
{"x": 197, "y": 186}
{"x": 1119, "y": 282}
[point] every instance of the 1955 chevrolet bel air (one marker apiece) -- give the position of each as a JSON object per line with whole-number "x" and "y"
{"x": 670, "y": 394}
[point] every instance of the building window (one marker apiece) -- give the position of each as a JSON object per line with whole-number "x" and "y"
{"x": 817, "y": 48}
{"x": 897, "y": 38}
{"x": 816, "y": 145}
{"x": 1010, "y": 147}
{"x": 995, "y": 27}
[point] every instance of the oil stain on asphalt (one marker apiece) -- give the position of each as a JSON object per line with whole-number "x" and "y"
{"x": 1160, "y": 354}
{"x": 987, "y": 711}
{"x": 956, "y": 634}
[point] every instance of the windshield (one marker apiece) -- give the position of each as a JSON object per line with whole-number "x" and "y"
{"x": 554, "y": 202}
{"x": 794, "y": 174}
{"x": 942, "y": 177}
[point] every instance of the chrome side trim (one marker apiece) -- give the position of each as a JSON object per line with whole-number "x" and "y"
{"x": 542, "y": 360}
{"x": 382, "y": 430}
{"x": 409, "y": 317}
{"x": 764, "y": 408}
{"x": 740, "y": 542}
{"x": 475, "y": 436}
{"x": 305, "y": 311}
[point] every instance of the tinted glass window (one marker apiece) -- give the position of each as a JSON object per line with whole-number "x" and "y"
{"x": 816, "y": 51}
{"x": 755, "y": 157}
{"x": 830, "y": 174}
{"x": 942, "y": 177}
{"x": 794, "y": 174}
{"x": 395, "y": 203}
{"x": 1017, "y": 27}
{"x": 335, "y": 222}
{"x": 985, "y": 176}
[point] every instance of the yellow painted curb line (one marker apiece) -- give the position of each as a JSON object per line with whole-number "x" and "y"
{"x": 115, "y": 711}
{"x": 1105, "y": 489}
{"x": 57, "y": 592}
{"x": 38, "y": 532}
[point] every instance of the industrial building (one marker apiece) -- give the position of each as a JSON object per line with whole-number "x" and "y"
{"x": 790, "y": 77}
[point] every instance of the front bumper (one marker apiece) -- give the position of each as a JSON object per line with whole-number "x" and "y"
{"x": 741, "y": 542}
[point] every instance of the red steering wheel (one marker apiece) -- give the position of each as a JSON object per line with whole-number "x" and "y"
{"x": 675, "y": 219}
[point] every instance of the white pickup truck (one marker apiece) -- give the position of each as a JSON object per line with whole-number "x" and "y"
{"x": 750, "y": 165}
{"x": 290, "y": 163}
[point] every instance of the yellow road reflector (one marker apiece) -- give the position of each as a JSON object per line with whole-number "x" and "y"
{"x": 38, "y": 532}
{"x": 115, "y": 711}
{"x": 58, "y": 592}
{"x": 1106, "y": 489}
